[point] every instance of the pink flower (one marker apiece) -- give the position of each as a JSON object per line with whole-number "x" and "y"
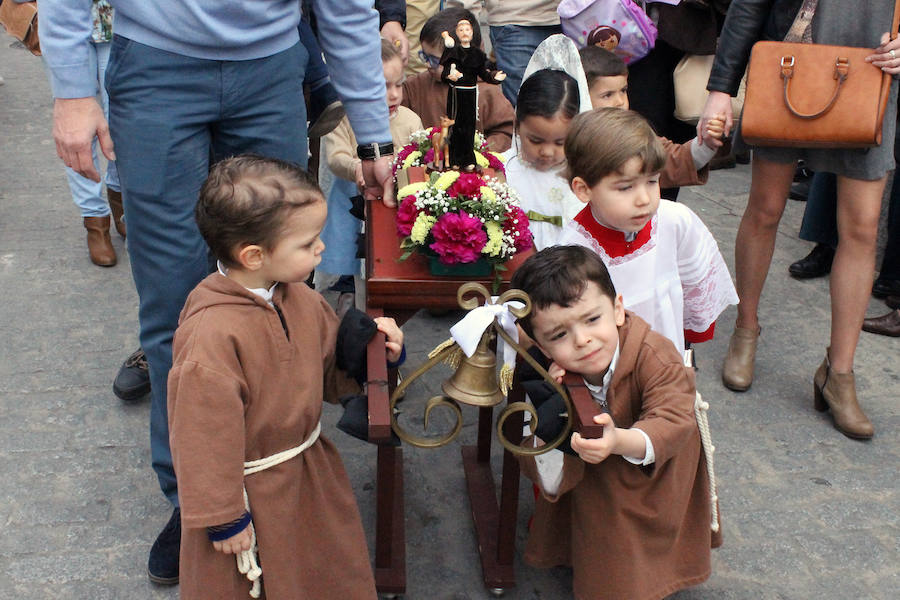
{"x": 429, "y": 156}
{"x": 406, "y": 215}
{"x": 468, "y": 184}
{"x": 495, "y": 163}
{"x": 458, "y": 238}
{"x": 524, "y": 239}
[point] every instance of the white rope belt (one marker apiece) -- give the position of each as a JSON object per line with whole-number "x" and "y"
{"x": 247, "y": 562}
{"x": 700, "y": 410}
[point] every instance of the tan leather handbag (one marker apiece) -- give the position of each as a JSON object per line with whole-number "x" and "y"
{"x": 814, "y": 95}
{"x": 21, "y": 22}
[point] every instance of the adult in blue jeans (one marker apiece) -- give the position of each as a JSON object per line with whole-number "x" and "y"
{"x": 190, "y": 82}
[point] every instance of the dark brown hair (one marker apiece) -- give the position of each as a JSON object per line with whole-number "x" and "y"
{"x": 600, "y": 141}
{"x": 599, "y": 62}
{"x": 247, "y": 200}
{"x": 559, "y": 275}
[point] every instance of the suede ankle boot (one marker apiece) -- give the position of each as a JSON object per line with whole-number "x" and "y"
{"x": 837, "y": 391}
{"x": 99, "y": 243}
{"x": 115, "y": 206}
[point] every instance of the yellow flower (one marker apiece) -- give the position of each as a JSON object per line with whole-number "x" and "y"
{"x": 499, "y": 157}
{"x": 481, "y": 160}
{"x": 495, "y": 239}
{"x": 411, "y": 189}
{"x": 413, "y": 156}
{"x": 446, "y": 180}
{"x": 487, "y": 194}
{"x": 422, "y": 227}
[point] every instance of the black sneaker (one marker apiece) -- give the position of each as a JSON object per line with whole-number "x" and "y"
{"x": 133, "y": 379}
{"x": 162, "y": 567}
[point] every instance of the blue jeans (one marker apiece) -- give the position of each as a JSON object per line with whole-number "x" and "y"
{"x": 513, "y": 47}
{"x": 340, "y": 232}
{"x": 820, "y": 215}
{"x": 169, "y": 116}
{"x": 87, "y": 194}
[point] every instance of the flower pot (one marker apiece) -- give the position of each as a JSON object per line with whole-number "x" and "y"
{"x": 479, "y": 268}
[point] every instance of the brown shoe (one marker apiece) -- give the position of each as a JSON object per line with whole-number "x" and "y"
{"x": 837, "y": 391}
{"x": 737, "y": 372}
{"x": 99, "y": 243}
{"x": 888, "y": 324}
{"x": 115, "y": 206}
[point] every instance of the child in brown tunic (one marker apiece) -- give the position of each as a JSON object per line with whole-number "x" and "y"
{"x": 686, "y": 164}
{"x": 254, "y": 356}
{"x": 629, "y": 511}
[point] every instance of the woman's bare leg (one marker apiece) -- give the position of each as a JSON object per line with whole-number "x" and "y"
{"x": 755, "y": 241}
{"x": 852, "y": 273}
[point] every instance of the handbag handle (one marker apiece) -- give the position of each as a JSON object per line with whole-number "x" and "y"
{"x": 841, "y": 71}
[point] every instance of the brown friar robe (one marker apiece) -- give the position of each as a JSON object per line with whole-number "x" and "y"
{"x": 633, "y": 532}
{"x": 679, "y": 170}
{"x": 247, "y": 383}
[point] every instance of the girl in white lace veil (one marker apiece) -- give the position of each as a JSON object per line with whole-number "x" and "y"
{"x": 553, "y": 91}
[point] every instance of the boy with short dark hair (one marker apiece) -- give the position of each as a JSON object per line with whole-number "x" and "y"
{"x": 631, "y": 513}
{"x": 607, "y": 79}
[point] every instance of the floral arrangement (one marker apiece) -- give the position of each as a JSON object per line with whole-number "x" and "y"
{"x": 461, "y": 218}
{"x": 420, "y": 153}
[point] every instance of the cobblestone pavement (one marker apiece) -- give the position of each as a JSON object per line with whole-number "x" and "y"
{"x": 807, "y": 513}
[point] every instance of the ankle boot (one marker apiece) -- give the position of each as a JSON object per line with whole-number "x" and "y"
{"x": 115, "y": 206}
{"x": 99, "y": 243}
{"x": 737, "y": 372}
{"x": 837, "y": 391}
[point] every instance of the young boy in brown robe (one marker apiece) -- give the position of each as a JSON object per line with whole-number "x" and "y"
{"x": 630, "y": 511}
{"x": 254, "y": 356}
{"x": 686, "y": 164}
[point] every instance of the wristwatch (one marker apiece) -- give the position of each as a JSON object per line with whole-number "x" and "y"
{"x": 374, "y": 150}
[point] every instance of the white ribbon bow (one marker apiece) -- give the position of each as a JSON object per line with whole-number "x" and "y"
{"x": 467, "y": 333}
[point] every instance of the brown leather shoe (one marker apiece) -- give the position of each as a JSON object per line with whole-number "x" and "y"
{"x": 115, "y": 206}
{"x": 99, "y": 243}
{"x": 888, "y": 324}
{"x": 837, "y": 391}
{"x": 737, "y": 372}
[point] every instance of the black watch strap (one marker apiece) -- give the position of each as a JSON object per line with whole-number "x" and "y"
{"x": 374, "y": 150}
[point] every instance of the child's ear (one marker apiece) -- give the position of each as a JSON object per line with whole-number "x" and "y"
{"x": 581, "y": 189}
{"x": 250, "y": 257}
{"x": 619, "y": 310}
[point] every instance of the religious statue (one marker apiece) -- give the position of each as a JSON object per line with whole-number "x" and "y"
{"x": 462, "y": 65}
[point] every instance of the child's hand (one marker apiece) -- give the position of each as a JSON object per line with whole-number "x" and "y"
{"x": 595, "y": 450}
{"x": 394, "y": 342}
{"x": 715, "y": 129}
{"x": 236, "y": 543}
{"x": 556, "y": 372}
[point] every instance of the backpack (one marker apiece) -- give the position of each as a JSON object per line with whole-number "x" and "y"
{"x": 620, "y": 26}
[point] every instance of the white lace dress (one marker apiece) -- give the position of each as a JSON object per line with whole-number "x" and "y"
{"x": 672, "y": 274}
{"x": 546, "y": 193}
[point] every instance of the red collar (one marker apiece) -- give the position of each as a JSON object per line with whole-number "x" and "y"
{"x": 612, "y": 241}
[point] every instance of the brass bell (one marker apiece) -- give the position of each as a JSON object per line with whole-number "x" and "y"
{"x": 475, "y": 381}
